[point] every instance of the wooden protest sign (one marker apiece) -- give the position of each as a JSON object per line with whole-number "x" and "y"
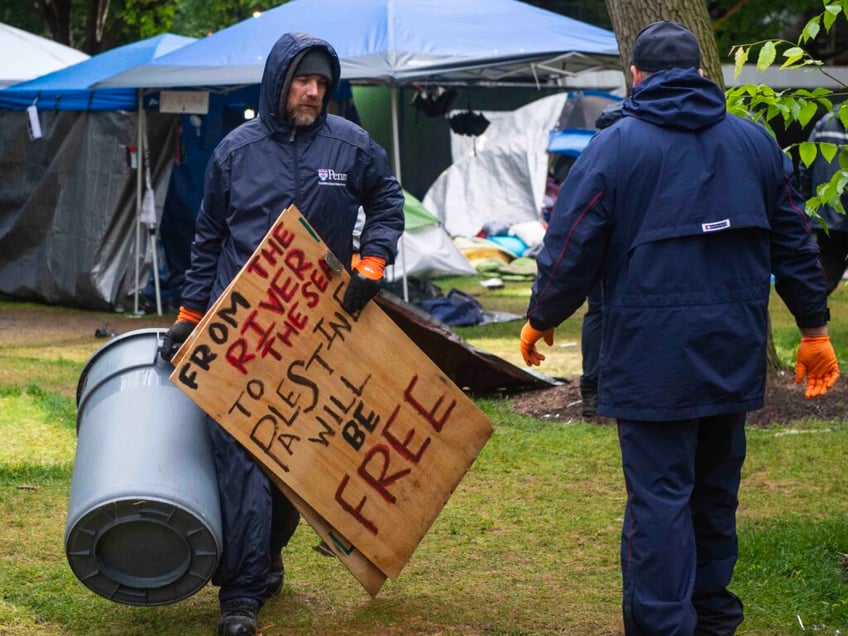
{"x": 355, "y": 421}
{"x": 368, "y": 575}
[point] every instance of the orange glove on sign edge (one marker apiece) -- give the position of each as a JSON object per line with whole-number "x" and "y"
{"x": 371, "y": 267}
{"x": 189, "y": 314}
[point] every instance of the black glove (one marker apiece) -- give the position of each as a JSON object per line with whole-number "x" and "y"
{"x": 359, "y": 292}
{"x": 175, "y": 336}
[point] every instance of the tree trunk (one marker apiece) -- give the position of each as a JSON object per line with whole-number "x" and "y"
{"x": 57, "y": 16}
{"x": 629, "y": 16}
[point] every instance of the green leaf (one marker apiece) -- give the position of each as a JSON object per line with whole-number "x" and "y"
{"x": 807, "y": 151}
{"x": 766, "y": 57}
{"x": 811, "y": 30}
{"x": 831, "y": 11}
{"x": 741, "y": 56}
{"x": 843, "y": 159}
{"x": 828, "y": 150}
{"x": 793, "y": 55}
{"x": 808, "y": 111}
{"x": 843, "y": 114}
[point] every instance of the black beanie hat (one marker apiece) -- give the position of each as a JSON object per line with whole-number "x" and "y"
{"x": 315, "y": 62}
{"x": 663, "y": 45}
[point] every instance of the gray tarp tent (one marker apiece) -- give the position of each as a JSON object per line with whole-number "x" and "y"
{"x": 69, "y": 199}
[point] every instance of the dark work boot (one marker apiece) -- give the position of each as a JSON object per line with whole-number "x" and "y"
{"x": 238, "y": 618}
{"x": 590, "y": 405}
{"x": 589, "y": 395}
{"x": 275, "y": 579}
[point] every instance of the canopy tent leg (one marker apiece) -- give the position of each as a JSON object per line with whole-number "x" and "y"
{"x": 138, "y": 195}
{"x": 396, "y": 157}
{"x": 143, "y": 216}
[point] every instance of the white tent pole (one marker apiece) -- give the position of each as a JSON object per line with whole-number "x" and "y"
{"x": 396, "y": 157}
{"x": 151, "y": 227}
{"x": 139, "y": 176}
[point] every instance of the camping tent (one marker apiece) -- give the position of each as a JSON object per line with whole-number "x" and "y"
{"x": 397, "y": 42}
{"x": 70, "y": 198}
{"x": 502, "y": 180}
{"x": 24, "y": 55}
{"x": 426, "y": 250}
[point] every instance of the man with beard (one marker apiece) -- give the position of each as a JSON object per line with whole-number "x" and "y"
{"x": 294, "y": 152}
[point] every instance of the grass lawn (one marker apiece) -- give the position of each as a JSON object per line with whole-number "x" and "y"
{"x": 528, "y": 543}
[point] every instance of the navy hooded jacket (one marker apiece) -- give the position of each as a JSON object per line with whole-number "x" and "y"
{"x": 327, "y": 170}
{"x": 682, "y": 211}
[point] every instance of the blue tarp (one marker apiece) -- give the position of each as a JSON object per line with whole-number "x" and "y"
{"x": 576, "y": 124}
{"x": 70, "y": 87}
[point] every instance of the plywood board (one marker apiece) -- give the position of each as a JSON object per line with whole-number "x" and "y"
{"x": 342, "y": 408}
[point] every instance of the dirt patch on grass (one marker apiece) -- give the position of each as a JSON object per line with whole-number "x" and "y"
{"x": 784, "y": 403}
{"x": 28, "y": 325}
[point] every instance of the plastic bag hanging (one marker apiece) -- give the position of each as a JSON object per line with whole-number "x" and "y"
{"x": 147, "y": 214}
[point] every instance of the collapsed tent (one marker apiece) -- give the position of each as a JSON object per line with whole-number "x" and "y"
{"x": 24, "y": 55}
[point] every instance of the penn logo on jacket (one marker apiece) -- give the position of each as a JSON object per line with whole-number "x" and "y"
{"x": 715, "y": 226}
{"x": 329, "y": 177}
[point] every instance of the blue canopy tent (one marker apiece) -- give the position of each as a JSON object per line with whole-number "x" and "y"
{"x": 397, "y": 43}
{"x": 72, "y": 194}
{"x": 70, "y": 88}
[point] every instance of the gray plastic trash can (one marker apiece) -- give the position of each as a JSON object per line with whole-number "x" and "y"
{"x": 144, "y": 522}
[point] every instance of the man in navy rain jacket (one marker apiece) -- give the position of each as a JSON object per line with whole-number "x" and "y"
{"x": 682, "y": 212}
{"x": 294, "y": 152}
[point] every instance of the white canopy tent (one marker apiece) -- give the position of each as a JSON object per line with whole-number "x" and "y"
{"x": 24, "y": 55}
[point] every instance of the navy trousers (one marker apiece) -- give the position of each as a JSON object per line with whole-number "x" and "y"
{"x": 257, "y": 520}
{"x": 678, "y": 540}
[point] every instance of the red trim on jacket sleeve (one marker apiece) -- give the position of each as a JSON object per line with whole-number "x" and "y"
{"x": 562, "y": 253}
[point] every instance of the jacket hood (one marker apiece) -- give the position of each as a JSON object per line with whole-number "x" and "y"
{"x": 677, "y": 98}
{"x": 276, "y": 78}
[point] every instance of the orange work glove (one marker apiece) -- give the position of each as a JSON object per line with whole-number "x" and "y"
{"x": 816, "y": 359}
{"x": 187, "y": 320}
{"x": 365, "y": 282}
{"x": 529, "y": 337}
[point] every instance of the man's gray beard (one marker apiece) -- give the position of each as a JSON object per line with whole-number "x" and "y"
{"x": 298, "y": 118}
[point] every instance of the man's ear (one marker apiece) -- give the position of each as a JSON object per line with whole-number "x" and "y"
{"x": 638, "y": 76}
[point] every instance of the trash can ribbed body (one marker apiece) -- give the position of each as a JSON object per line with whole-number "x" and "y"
{"x": 144, "y": 523}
